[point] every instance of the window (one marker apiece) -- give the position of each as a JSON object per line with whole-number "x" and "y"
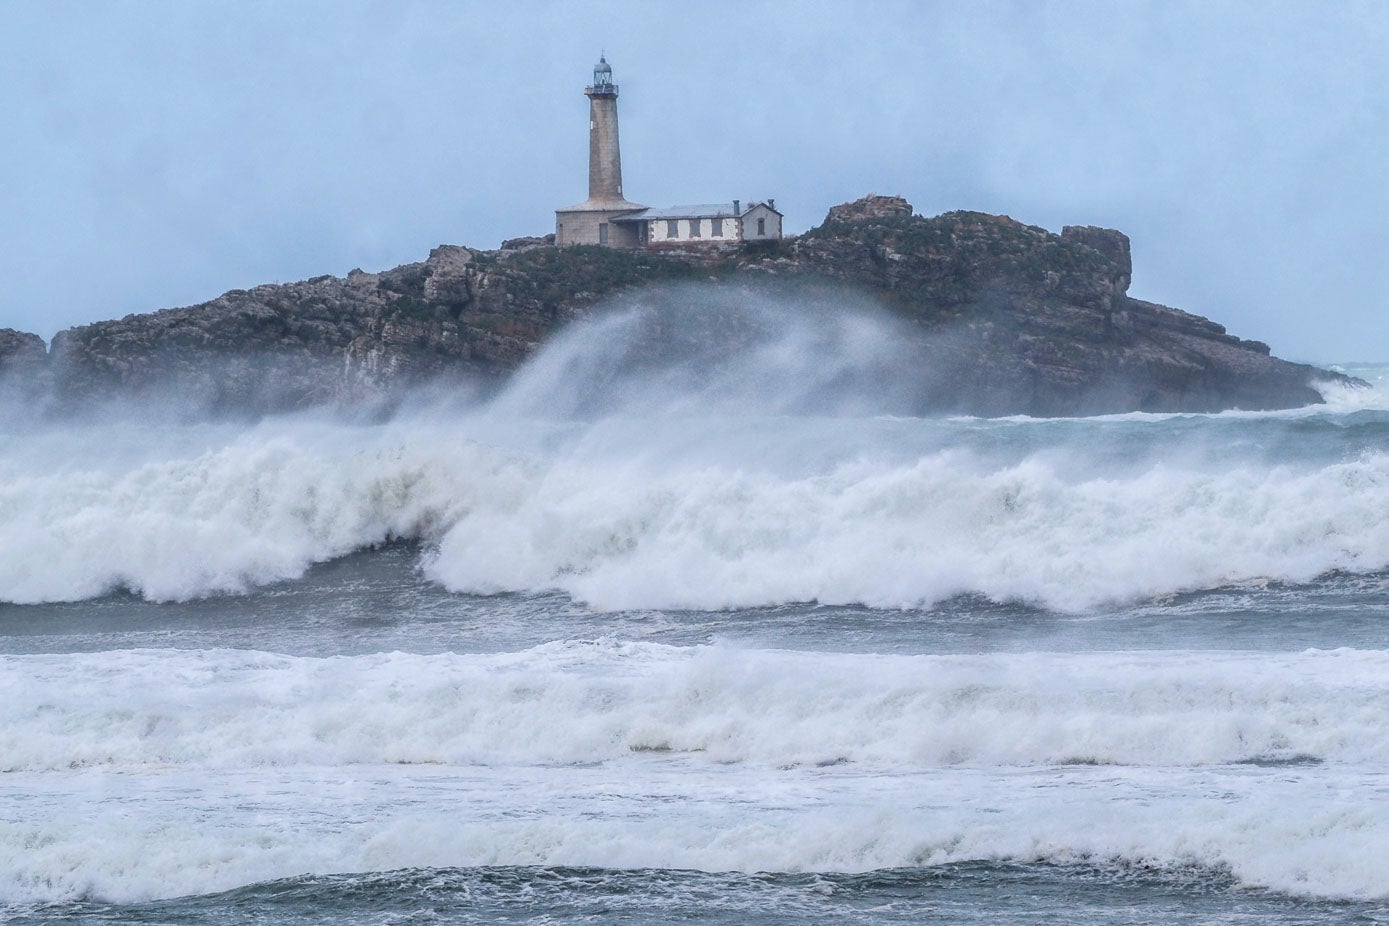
{"x": 717, "y": 227}
{"x": 672, "y": 228}
{"x": 602, "y": 232}
{"x": 694, "y": 228}
{"x": 761, "y": 227}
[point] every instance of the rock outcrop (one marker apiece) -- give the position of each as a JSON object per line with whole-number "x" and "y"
{"x": 869, "y": 209}
{"x": 1112, "y": 244}
{"x": 1005, "y": 317}
{"x": 24, "y": 380}
{"x": 21, "y": 352}
{"x": 1042, "y": 324}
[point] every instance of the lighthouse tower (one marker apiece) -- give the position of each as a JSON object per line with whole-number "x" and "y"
{"x": 591, "y": 221}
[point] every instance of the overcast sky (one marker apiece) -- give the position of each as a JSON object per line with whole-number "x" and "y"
{"x": 158, "y": 154}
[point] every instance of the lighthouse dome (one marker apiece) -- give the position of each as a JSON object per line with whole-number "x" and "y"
{"x": 603, "y": 77}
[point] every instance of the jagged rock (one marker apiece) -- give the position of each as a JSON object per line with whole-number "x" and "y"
{"x": 24, "y": 374}
{"x": 527, "y": 243}
{"x": 1112, "y": 244}
{"x": 1005, "y": 318}
{"x": 444, "y": 272}
{"x": 21, "y": 352}
{"x": 870, "y": 208}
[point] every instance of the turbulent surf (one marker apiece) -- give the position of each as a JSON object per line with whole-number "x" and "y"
{"x": 714, "y": 626}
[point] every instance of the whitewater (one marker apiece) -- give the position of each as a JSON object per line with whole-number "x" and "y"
{"x": 727, "y": 636}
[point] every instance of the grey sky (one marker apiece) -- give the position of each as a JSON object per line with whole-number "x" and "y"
{"x": 158, "y": 154}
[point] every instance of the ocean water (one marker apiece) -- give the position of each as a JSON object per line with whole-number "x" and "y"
{"x": 726, "y": 639}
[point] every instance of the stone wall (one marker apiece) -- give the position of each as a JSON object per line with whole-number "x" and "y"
{"x": 582, "y": 226}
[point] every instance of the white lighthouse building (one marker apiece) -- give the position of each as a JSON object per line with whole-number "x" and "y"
{"x": 608, "y": 218}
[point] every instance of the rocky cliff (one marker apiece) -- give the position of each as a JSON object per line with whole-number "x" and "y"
{"x": 1005, "y": 317}
{"x": 20, "y": 352}
{"x": 23, "y": 369}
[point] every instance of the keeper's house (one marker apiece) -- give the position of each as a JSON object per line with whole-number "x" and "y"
{"x": 608, "y": 218}
{"x": 721, "y": 223}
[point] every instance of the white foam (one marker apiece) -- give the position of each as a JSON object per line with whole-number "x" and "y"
{"x": 90, "y": 835}
{"x": 898, "y": 536}
{"x": 1342, "y": 398}
{"x": 707, "y": 483}
{"x": 585, "y": 703}
{"x": 261, "y": 509}
{"x": 653, "y": 533}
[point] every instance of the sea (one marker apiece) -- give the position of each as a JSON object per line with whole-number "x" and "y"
{"x": 733, "y": 639}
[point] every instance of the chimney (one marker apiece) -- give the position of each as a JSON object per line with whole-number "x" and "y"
{"x": 771, "y": 203}
{"x": 737, "y": 207}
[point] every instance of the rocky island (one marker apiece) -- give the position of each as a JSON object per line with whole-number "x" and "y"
{"x": 1006, "y": 318}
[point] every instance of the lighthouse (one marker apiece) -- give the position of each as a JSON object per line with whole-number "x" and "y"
{"x": 592, "y": 221}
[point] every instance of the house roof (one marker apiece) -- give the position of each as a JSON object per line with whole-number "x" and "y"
{"x": 768, "y": 206}
{"x": 706, "y": 211}
{"x": 712, "y": 211}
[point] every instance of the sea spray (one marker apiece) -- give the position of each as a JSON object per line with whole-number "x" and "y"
{"x": 379, "y": 744}
{"x": 720, "y": 474}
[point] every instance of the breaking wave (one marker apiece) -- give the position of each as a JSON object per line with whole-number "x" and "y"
{"x": 632, "y": 534}
{"x": 715, "y": 479}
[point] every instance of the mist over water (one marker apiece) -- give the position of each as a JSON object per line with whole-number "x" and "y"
{"x": 734, "y": 456}
{"x": 694, "y": 351}
{"x": 692, "y": 621}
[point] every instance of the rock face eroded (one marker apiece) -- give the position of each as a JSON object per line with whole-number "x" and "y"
{"x": 1005, "y": 318}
